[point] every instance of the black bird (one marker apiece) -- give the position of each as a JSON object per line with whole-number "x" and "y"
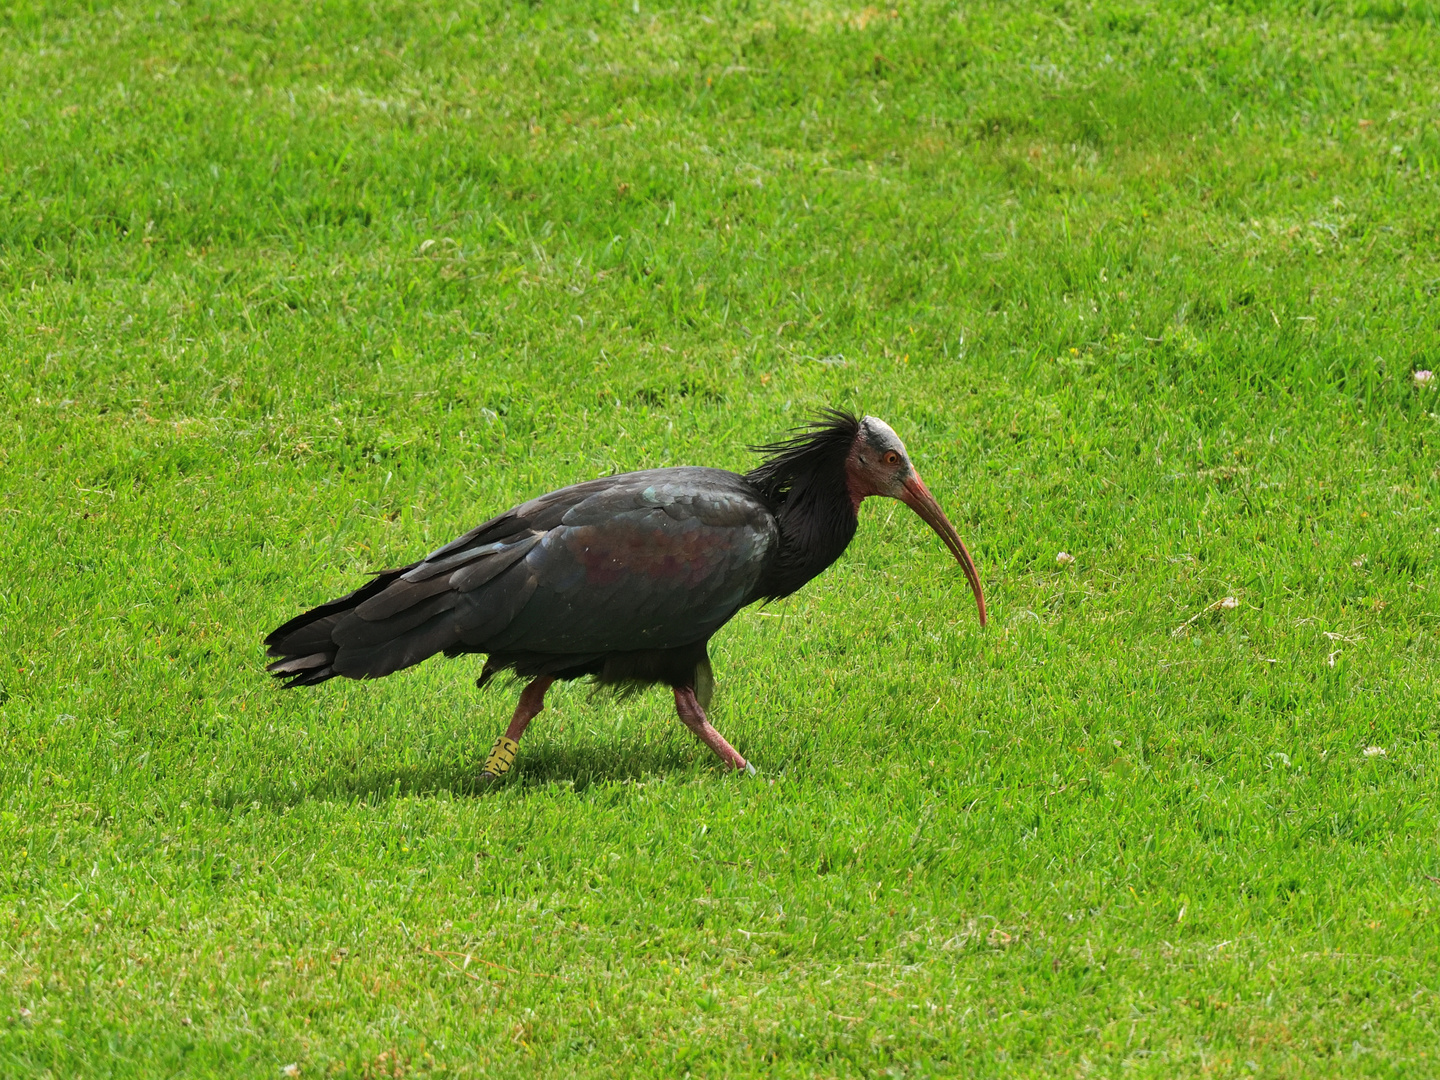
{"x": 624, "y": 578}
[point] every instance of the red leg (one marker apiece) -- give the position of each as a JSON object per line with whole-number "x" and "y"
{"x": 693, "y": 717}
{"x": 530, "y": 705}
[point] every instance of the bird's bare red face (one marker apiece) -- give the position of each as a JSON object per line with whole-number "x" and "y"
{"x": 878, "y": 464}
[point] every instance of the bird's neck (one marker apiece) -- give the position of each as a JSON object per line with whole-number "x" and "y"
{"x": 817, "y": 521}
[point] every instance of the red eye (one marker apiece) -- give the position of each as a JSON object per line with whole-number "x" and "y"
{"x": 892, "y": 458}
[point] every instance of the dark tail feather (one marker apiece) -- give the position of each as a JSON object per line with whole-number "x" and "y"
{"x": 409, "y": 646}
{"x": 304, "y": 646}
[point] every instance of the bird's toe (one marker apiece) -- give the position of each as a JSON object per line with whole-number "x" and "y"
{"x": 489, "y": 780}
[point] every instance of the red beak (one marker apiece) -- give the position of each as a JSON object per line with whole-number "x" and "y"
{"x": 917, "y": 496}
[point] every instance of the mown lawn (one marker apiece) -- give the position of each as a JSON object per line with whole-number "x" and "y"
{"x": 293, "y": 292}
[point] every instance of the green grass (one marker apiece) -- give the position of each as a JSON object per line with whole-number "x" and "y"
{"x": 292, "y": 292}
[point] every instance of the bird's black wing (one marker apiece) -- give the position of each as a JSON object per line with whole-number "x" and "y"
{"x": 640, "y": 561}
{"x": 663, "y": 559}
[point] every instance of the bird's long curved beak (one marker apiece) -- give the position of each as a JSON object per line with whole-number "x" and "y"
{"x": 916, "y": 495}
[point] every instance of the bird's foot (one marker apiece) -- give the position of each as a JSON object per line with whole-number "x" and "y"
{"x": 750, "y": 770}
{"x": 499, "y": 762}
{"x": 693, "y": 717}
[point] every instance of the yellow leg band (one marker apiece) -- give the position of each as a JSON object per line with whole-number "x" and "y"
{"x": 502, "y": 756}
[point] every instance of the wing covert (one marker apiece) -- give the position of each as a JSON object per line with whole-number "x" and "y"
{"x": 660, "y": 562}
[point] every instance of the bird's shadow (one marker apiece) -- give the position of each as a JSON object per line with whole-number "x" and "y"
{"x": 547, "y": 765}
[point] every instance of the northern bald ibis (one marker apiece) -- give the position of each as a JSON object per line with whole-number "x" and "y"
{"x": 624, "y": 578}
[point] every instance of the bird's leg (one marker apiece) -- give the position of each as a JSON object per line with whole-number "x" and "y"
{"x": 693, "y": 717}
{"x": 530, "y": 705}
{"x": 502, "y": 754}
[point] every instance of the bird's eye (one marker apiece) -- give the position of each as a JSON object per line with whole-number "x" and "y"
{"x": 892, "y": 458}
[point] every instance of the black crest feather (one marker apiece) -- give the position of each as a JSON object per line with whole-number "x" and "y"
{"x": 819, "y": 447}
{"x": 804, "y": 478}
